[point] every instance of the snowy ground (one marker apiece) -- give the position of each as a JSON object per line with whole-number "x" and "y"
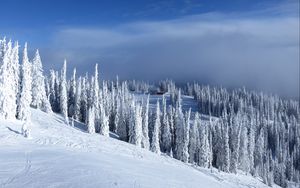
{"x": 59, "y": 155}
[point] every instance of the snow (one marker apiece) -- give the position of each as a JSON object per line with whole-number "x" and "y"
{"x": 59, "y": 155}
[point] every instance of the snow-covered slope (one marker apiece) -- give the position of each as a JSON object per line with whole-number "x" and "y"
{"x": 59, "y": 155}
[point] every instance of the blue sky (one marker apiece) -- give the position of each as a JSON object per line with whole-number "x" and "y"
{"x": 230, "y": 43}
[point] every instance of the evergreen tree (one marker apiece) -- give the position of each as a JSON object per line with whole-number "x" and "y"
{"x": 244, "y": 162}
{"x": 203, "y": 147}
{"x": 155, "y": 135}
{"x": 145, "y": 129}
{"x": 24, "y": 112}
{"x": 77, "y": 114}
{"x": 104, "y": 128}
{"x": 165, "y": 131}
{"x": 72, "y": 95}
{"x": 235, "y": 142}
{"x": 7, "y": 85}
{"x": 185, "y": 156}
{"x": 63, "y": 93}
{"x": 39, "y": 97}
{"x": 135, "y": 136}
{"x": 91, "y": 120}
{"x": 194, "y": 140}
{"x": 226, "y": 150}
{"x": 96, "y": 104}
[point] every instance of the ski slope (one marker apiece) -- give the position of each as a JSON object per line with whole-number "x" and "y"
{"x": 59, "y": 155}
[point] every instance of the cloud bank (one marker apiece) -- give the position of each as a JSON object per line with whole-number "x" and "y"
{"x": 229, "y": 50}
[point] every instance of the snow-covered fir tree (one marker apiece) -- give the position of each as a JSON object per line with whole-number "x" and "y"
{"x": 63, "y": 93}
{"x": 39, "y": 97}
{"x": 104, "y": 123}
{"x": 145, "y": 125}
{"x": 91, "y": 120}
{"x": 72, "y": 93}
{"x": 194, "y": 141}
{"x": 165, "y": 129}
{"x": 135, "y": 133}
{"x": 25, "y": 99}
{"x": 8, "y": 82}
{"x": 155, "y": 135}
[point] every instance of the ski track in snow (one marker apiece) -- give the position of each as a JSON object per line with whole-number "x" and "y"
{"x": 21, "y": 173}
{"x": 59, "y": 155}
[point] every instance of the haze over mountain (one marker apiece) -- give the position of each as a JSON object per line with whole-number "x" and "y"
{"x": 239, "y": 43}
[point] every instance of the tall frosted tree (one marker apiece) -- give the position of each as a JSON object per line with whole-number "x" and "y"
{"x": 72, "y": 93}
{"x": 63, "y": 93}
{"x": 194, "y": 140}
{"x": 165, "y": 130}
{"x": 24, "y": 112}
{"x": 96, "y": 101}
{"x": 179, "y": 131}
{"x": 77, "y": 114}
{"x": 39, "y": 97}
{"x": 91, "y": 120}
{"x": 203, "y": 147}
{"x": 104, "y": 119}
{"x": 185, "y": 151}
{"x": 244, "y": 162}
{"x": 135, "y": 136}
{"x": 53, "y": 91}
{"x": 155, "y": 135}
{"x": 15, "y": 68}
{"x": 225, "y": 152}
{"x": 83, "y": 100}
{"x": 145, "y": 128}
{"x": 7, "y": 85}
{"x": 235, "y": 142}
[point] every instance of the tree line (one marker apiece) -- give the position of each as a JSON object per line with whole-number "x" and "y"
{"x": 232, "y": 131}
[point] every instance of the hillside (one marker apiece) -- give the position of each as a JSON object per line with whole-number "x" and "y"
{"x": 59, "y": 155}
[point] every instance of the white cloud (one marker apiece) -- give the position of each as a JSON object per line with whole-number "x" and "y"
{"x": 233, "y": 50}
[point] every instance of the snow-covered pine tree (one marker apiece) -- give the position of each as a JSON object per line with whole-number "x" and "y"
{"x": 236, "y": 124}
{"x": 72, "y": 94}
{"x": 63, "y": 93}
{"x": 203, "y": 147}
{"x": 7, "y": 85}
{"x": 96, "y": 104}
{"x": 24, "y": 112}
{"x": 136, "y": 134}
{"x": 179, "y": 130}
{"x": 258, "y": 153}
{"x": 39, "y": 97}
{"x": 77, "y": 114}
{"x": 165, "y": 129}
{"x": 226, "y": 149}
{"x": 145, "y": 128}
{"x": 244, "y": 162}
{"x": 53, "y": 98}
{"x": 83, "y": 100}
{"x": 91, "y": 120}
{"x": 155, "y": 135}
{"x": 104, "y": 128}
{"x": 15, "y": 67}
{"x": 185, "y": 156}
{"x": 194, "y": 140}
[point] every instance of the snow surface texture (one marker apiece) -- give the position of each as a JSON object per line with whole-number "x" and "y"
{"x": 59, "y": 155}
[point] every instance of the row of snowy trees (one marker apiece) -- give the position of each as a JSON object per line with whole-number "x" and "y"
{"x": 271, "y": 124}
{"x": 21, "y": 85}
{"x": 231, "y": 131}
